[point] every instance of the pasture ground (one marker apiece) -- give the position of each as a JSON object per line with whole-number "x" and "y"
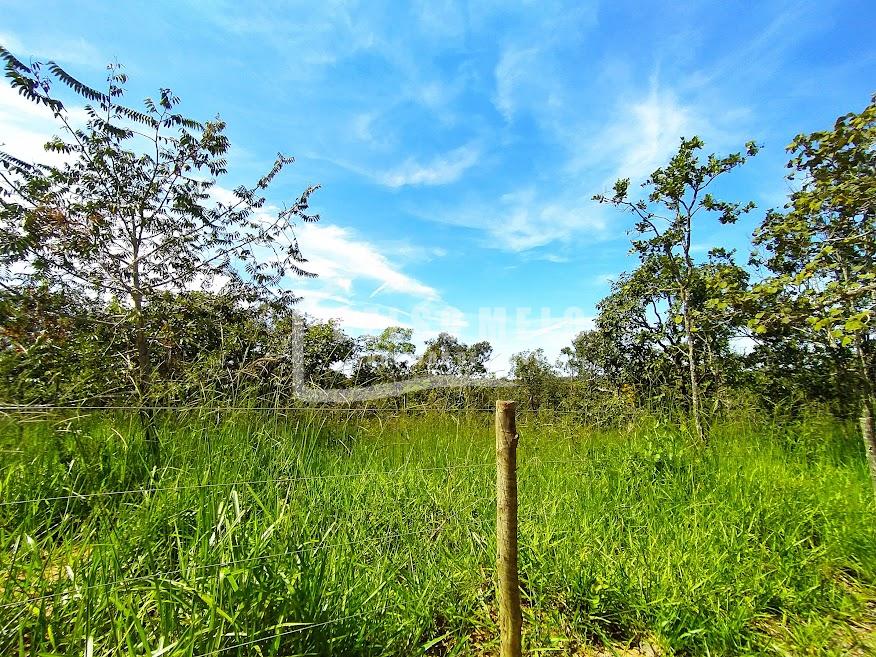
{"x": 324, "y": 533}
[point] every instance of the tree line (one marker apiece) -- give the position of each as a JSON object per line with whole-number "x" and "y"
{"x": 124, "y": 275}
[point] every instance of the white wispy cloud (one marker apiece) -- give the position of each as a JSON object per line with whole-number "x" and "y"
{"x": 441, "y": 170}
{"x": 760, "y": 55}
{"x": 606, "y": 279}
{"x": 340, "y": 257}
{"x": 352, "y": 273}
{"x": 65, "y": 50}
{"x": 427, "y": 317}
{"x": 26, "y": 127}
{"x": 554, "y": 257}
{"x": 523, "y": 332}
{"x": 650, "y": 132}
{"x": 636, "y": 137}
{"x": 441, "y": 19}
{"x": 315, "y": 38}
{"x": 355, "y": 318}
{"x": 641, "y": 136}
{"x": 532, "y": 75}
{"x": 362, "y": 128}
{"x": 515, "y": 71}
{"x": 525, "y": 219}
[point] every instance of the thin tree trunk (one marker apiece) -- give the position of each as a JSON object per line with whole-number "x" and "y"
{"x": 869, "y": 436}
{"x": 685, "y": 281}
{"x": 695, "y": 410}
{"x": 683, "y": 381}
{"x": 142, "y": 374}
{"x": 717, "y": 387}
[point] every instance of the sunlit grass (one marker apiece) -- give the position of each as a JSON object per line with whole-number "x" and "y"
{"x": 322, "y": 534}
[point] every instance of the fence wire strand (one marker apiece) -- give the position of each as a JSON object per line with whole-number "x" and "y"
{"x": 234, "y": 562}
{"x": 221, "y": 409}
{"x": 161, "y": 489}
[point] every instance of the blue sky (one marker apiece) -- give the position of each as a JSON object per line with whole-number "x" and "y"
{"x": 458, "y": 145}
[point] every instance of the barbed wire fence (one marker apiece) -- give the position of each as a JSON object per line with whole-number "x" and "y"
{"x": 504, "y": 497}
{"x": 507, "y": 588}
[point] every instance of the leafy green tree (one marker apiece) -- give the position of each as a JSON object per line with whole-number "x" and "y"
{"x": 445, "y": 354}
{"x": 821, "y": 252}
{"x": 789, "y": 370}
{"x": 591, "y": 357}
{"x": 207, "y": 346}
{"x": 641, "y": 345}
{"x": 537, "y": 376}
{"x": 62, "y": 347}
{"x": 386, "y": 357}
{"x": 131, "y": 212}
{"x": 665, "y": 236}
{"x": 637, "y": 342}
{"x": 327, "y": 346}
{"x": 57, "y": 346}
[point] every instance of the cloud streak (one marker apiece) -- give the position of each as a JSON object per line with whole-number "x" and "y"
{"x": 440, "y": 170}
{"x": 527, "y": 218}
{"x": 516, "y": 69}
{"x": 341, "y": 258}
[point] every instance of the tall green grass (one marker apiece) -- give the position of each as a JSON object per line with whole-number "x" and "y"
{"x": 320, "y": 533}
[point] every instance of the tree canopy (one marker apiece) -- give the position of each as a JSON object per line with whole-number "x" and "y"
{"x": 135, "y": 211}
{"x": 130, "y": 269}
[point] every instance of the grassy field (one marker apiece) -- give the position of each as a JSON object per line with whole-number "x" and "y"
{"x": 317, "y": 534}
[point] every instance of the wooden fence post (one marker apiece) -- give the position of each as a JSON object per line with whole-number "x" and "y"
{"x": 507, "y": 585}
{"x": 867, "y": 434}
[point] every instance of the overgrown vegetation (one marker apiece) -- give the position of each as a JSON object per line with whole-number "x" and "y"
{"x": 99, "y": 256}
{"x": 679, "y": 495}
{"x": 762, "y": 542}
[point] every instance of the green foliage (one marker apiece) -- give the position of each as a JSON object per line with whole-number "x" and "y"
{"x": 386, "y": 356}
{"x": 445, "y": 354}
{"x": 821, "y": 251}
{"x": 326, "y": 346}
{"x": 57, "y": 346}
{"x": 130, "y": 213}
{"x": 537, "y": 377}
{"x": 761, "y": 543}
{"x": 669, "y": 283}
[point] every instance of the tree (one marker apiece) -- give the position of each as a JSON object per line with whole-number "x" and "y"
{"x": 821, "y": 252}
{"x": 537, "y": 376}
{"x": 56, "y": 347}
{"x": 445, "y": 354}
{"x": 617, "y": 352}
{"x": 385, "y": 355}
{"x": 637, "y": 342}
{"x": 591, "y": 357}
{"x": 60, "y": 347}
{"x": 790, "y": 369}
{"x": 208, "y": 346}
{"x": 665, "y": 228}
{"x": 326, "y": 346}
{"x": 132, "y": 211}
